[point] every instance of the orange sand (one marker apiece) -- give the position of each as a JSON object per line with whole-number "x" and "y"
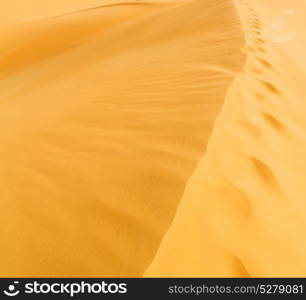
{"x": 110, "y": 166}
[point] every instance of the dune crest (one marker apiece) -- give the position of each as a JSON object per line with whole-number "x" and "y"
{"x": 151, "y": 138}
{"x": 243, "y": 210}
{"x": 104, "y": 115}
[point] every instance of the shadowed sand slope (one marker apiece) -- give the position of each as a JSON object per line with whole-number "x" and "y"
{"x": 105, "y": 112}
{"x": 243, "y": 212}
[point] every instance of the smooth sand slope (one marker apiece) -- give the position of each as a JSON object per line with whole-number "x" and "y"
{"x": 105, "y": 109}
{"x": 152, "y": 138}
{"x": 243, "y": 212}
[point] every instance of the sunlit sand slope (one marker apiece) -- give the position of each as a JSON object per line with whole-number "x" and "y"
{"x": 243, "y": 212}
{"x": 104, "y": 113}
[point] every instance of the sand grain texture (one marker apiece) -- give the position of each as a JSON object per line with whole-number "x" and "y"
{"x": 243, "y": 210}
{"x": 149, "y": 138}
{"x": 103, "y": 117}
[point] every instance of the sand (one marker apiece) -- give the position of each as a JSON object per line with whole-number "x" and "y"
{"x": 151, "y": 138}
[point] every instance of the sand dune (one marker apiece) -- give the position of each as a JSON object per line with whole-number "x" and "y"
{"x": 243, "y": 210}
{"x": 150, "y": 138}
{"x": 105, "y": 113}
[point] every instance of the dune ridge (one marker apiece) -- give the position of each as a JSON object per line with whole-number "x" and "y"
{"x": 243, "y": 210}
{"x": 104, "y": 115}
{"x": 150, "y": 138}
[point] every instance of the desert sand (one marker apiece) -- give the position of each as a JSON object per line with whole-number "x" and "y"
{"x": 152, "y": 138}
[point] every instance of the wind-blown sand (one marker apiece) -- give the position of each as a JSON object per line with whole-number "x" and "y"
{"x": 155, "y": 138}
{"x": 243, "y": 210}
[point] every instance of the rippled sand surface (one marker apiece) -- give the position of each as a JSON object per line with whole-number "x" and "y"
{"x": 151, "y": 138}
